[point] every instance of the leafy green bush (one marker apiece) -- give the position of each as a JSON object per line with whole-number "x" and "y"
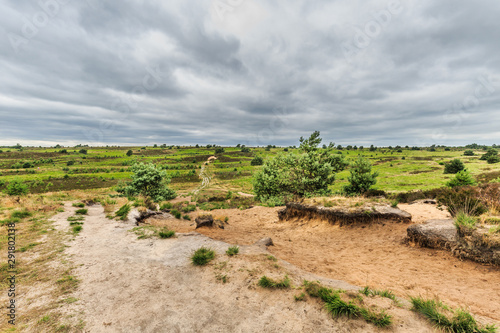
{"x": 257, "y": 160}
{"x": 129, "y": 152}
{"x": 219, "y": 150}
{"x": 298, "y": 175}
{"x": 70, "y": 163}
{"x": 454, "y": 166}
{"x": 148, "y": 181}
{"x": 465, "y": 199}
{"x": 16, "y": 187}
{"x": 176, "y": 213}
{"x": 83, "y": 151}
{"x": 469, "y": 152}
{"x": 462, "y": 178}
{"x": 81, "y": 211}
{"x": 202, "y": 256}
{"x": 245, "y": 150}
{"x": 361, "y": 177}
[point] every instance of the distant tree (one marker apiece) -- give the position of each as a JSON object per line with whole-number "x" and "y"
{"x": 373, "y": 148}
{"x": 361, "y": 177}
{"x": 155, "y": 146}
{"x": 469, "y": 152}
{"x": 70, "y": 163}
{"x": 219, "y": 150}
{"x": 83, "y": 151}
{"x": 454, "y": 166}
{"x": 245, "y": 150}
{"x": 257, "y": 160}
{"x": 130, "y": 152}
{"x": 238, "y": 145}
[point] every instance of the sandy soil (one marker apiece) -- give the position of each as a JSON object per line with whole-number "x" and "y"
{"x": 148, "y": 285}
{"x": 372, "y": 255}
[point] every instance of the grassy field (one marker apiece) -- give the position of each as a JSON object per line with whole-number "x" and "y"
{"x": 56, "y": 169}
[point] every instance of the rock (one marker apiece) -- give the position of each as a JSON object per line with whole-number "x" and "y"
{"x": 433, "y": 233}
{"x": 204, "y": 221}
{"x": 264, "y": 242}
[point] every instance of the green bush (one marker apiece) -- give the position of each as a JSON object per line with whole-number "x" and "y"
{"x": 81, "y": 211}
{"x": 454, "y": 166}
{"x": 129, "y": 152}
{"x": 465, "y": 199}
{"x": 298, "y": 175}
{"x": 361, "y": 177}
{"x": 148, "y": 181}
{"x": 257, "y": 160}
{"x": 219, "y": 150}
{"x": 245, "y": 150}
{"x": 202, "y": 256}
{"x": 83, "y": 151}
{"x": 462, "y": 178}
{"x": 176, "y": 213}
{"x": 70, "y": 163}
{"x": 469, "y": 152}
{"x": 493, "y": 159}
{"x": 78, "y": 204}
{"x": 489, "y": 153}
{"x": 16, "y": 187}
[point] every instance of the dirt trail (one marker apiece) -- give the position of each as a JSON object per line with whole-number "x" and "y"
{"x": 370, "y": 255}
{"x": 148, "y": 285}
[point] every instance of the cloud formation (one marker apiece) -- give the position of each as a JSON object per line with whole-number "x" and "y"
{"x": 247, "y": 71}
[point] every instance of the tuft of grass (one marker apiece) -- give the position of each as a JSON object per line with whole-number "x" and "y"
{"x": 28, "y": 247}
{"x": 380, "y": 319}
{"x": 166, "y": 234}
{"x": 301, "y": 297}
{"x": 382, "y": 293}
{"x": 272, "y": 258}
{"x": 266, "y": 282}
{"x": 176, "y": 213}
{"x": 75, "y": 218}
{"x": 460, "y": 322}
{"x": 78, "y": 204}
{"x": 465, "y": 223}
{"x": 232, "y": 251}
{"x": 77, "y": 229}
{"x": 20, "y": 214}
{"x": 82, "y": 211}
{"x": 122, "y": 213}
{"x": 202, "y": 256}
{"x": 186, "y": 217}
{"x": 166, "y": 205}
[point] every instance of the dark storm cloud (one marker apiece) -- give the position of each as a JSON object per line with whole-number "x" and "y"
{"x": 143, "y": 72}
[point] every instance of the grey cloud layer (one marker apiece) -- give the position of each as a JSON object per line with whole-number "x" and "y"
{"x": 227, "y": 72}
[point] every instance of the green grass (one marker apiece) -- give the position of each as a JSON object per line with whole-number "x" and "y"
{"x": 77, "y": 228}
{"x": 465, "y": 221}
{"x": 78, "y": 204}
{"x": 76, "y": 218}
{"x": 232, "y": 251}
{"x": 202, "y": 256}
{"x": 82, "y": 211}
{"x": 269, "y": 283}
{"x": 382, "y": 293}
{"x": 445, "y": 319}
{"x": 122, "y": 213}
{"x": 20, "y": 214}
{"x": 166, "y": 234}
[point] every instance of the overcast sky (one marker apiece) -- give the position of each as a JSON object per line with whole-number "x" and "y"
{"x": 409, "y": 72}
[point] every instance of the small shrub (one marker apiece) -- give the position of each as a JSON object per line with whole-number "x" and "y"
{"x": 491, "y": 152}
{"x": 81, "y": 211}
{"x": 301, "y": 297}
{"x": 454, "y": 166}
{"x": 186, "y": 217}
{"x": 462, "y": 178}
{"x": 493, "y": 159}
{"x": 78, "y": 204}
{"x": 232, "y": 251}
{"x": 16, "y": 188}
{"x": 465, "y": 223}
{"x": 176, "y": 213}
{"x": 202, "y": 256}
{"x": 469, "y": 153}
{"x": 166, "y": 205}
{"x": 266, "y": 282}
{"x": 166, "y": 234}
{"x": 361, "y": 177}
{"x": 219, "y": 150}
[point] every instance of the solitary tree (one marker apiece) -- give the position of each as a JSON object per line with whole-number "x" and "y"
{"x": 130, "y": 152}
{"x": 361, "y": 177}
